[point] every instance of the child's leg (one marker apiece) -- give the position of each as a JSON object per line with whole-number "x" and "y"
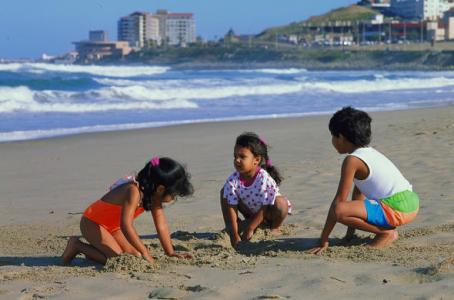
{"x": 277, "y": 213}
{"x": 75, "y": 246}
{"x": 102, "y": 244}
{"x": 354, "y": 215}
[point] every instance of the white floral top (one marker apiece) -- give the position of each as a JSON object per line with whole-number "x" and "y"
{"x": 262, "y": 191}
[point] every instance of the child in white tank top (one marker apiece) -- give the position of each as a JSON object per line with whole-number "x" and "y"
{"x": 385, "y": 199}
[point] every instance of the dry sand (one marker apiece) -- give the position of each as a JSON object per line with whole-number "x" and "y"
{"x": 46, "y": 184}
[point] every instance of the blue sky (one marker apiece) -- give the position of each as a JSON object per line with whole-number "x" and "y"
{"x": 29, "y": 28}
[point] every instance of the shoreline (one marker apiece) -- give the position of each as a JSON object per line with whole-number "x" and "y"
{"x": 37, "y": 135}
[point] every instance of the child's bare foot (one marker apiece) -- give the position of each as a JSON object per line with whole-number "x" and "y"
{"x": 70, "y": 251}
{"x": 276, "y": 232}
{"x": 384, "y": 239}
{"x": 350, "y": 235}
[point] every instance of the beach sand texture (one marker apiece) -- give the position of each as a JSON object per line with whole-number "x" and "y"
{"x": 46, "y": 185}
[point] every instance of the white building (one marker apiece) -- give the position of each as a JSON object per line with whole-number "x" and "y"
{"x": 176, "y": 28}
{"x": 138, "y": 29}
{"x": 421, "y": 9}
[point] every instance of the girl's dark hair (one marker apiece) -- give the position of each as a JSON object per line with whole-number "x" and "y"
{"x": 353, "y": 124}
{"x": 258, "y": 147}
{"x": 168, "y": 173}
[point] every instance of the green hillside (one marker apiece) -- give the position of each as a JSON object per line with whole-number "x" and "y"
{"x": 350, "y": 13}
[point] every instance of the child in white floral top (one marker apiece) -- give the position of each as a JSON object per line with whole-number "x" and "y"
{"x": 253, "y": 190}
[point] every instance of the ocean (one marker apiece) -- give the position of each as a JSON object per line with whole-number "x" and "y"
{"x": 40, "y": 100}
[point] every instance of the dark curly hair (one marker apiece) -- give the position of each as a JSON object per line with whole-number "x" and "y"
{"x": 258, "y": 147}
{"x": 168, "y": 173}
{"x": 353, "y": 124}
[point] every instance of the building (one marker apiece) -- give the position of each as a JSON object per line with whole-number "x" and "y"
{"x": 99, "y": 47}
{"x": 449, "y": 24}
{"x": 382, "y": 6}
{"x": 139, "y": 29}
{"x": 421, "y": 9}
{"x": 176, "y": 28}
{"x": 98, "y": 36}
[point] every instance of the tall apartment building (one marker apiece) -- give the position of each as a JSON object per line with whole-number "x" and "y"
{"x": 98, "y": 36}
{"x": 421, "y": 9}
{"x": 176, "y": 28}
{"x": 138, "y": 29}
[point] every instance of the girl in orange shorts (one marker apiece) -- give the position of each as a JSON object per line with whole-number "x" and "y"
{"x": 107, "y": 224}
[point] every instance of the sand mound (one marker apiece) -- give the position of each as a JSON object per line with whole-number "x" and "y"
{"x": 445, "y": 266}
{"x": 126, "y": 263}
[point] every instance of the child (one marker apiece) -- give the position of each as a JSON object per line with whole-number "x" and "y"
{"x": 252, "y": 190}
{"x": 384, "y": 198}
{"x": 107, "y": 224}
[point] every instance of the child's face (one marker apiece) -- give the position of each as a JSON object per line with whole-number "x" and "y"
{"x": 342, "y": 145}
{"x": 161, "y": 196}
{"x": 244, "y": 160}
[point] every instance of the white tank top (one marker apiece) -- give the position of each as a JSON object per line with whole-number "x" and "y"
{"x": 384, "y": 178}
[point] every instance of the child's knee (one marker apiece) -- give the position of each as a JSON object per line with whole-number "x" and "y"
{"x": 339, "y": 210}
{"x": 281, "y": 205}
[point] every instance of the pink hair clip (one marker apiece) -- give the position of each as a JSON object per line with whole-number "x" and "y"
{"x": 155, "y": 161}
{"x": 269, "y": 162}
{"x": 262, "y": 141}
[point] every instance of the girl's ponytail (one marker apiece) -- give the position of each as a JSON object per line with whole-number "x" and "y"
{"x": 271, "y": 169}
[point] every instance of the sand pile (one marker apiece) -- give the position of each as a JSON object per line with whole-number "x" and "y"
{"x": 128, "y": 263}
{"x": 443, "y": 267}
{"x": 208, "y": 249}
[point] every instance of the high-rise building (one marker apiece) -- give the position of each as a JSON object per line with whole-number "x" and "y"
{"x": 138, "y": 29}
{"x": 421, "y": 9}
{"x": 98, "y": 36}
{"x": 176, "y": 28}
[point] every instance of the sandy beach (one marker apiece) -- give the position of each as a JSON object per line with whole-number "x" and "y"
{"x": 46, "y": 184}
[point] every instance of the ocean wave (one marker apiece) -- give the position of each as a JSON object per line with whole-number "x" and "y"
{"x": 108, "y": 71}
{"x": 275, "y": 71}
{"x": 150, "y": 94}
{"x": 379, "y": 85}
{"x": 23, "y": 99}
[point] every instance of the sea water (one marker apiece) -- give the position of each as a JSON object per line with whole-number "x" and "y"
{"x": 45, "y": 100}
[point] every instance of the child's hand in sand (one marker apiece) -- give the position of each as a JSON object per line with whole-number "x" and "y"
{"x": 247, "y": 234}
{"x": 235, "y": 240}
{"x": 185, "y": 255}
{"x": 147, "y": 257}
{"x": 320, "y": 249}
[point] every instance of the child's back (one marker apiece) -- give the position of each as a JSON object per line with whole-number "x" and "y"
{"x": 384, "y": 178}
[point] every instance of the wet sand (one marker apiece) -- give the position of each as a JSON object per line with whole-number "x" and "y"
{"x": 46, "y": 184}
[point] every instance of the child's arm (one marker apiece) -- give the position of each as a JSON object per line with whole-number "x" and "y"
{"x": 127, "y": 227}
{"x": 255, "y": 221}
{"x": 349, "y": 167}
{"x": 232, "y": 212}
{"x": 162, "y": 229}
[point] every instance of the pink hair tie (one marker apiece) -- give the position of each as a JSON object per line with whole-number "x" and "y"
{"x": 262, "y": 141}
{"x": 155, "y": 161}
{"x": 269, "y": 162}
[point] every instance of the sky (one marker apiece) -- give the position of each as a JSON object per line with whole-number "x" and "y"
{"x": 29, "y": 28}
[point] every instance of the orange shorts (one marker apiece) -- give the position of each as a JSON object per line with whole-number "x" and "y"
{"x": 107, "y": 215}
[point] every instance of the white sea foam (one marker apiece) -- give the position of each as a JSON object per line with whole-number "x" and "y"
{"x": 280, "y": 71}
{"x": 24, "y": 99}
{"x": 39, "y": 134}
{"x": 379, "y": 85}
{"x": 130, "y": 94}
{"x": 109, "y": 71}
